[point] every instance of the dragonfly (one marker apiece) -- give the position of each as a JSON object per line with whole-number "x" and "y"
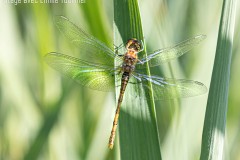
{"x": 96, "y": 68}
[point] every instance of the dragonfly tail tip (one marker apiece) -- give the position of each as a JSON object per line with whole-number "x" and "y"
{"x": 110, "y": 146}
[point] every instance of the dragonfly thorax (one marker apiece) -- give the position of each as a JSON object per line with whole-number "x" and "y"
{"x": 129, "y": 61}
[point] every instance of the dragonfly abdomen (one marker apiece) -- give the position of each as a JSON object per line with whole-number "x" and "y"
{"x": 124, "y": 82}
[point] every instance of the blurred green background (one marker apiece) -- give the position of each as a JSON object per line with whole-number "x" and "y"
{"x": 44, "y": 115}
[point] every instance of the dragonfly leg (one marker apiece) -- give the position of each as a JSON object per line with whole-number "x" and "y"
{"x": 140, "y": 61}
{"x": 116, "y": 48}
{"x": 142, "y": 46}
{"x": 134, "y": 82}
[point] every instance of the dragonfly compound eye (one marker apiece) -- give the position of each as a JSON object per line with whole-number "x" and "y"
{"x": 134, "y": 44}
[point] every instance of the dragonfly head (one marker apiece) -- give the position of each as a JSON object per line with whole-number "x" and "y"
{"x": 134, "y": 44}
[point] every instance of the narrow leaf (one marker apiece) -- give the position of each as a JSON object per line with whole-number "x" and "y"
{"x": 137, "y": 125}
{"x": 216, "y": 112}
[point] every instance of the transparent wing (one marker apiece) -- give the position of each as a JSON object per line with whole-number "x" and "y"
{"x": 167, "y": 88}
{"x": 165, "y": 55}
{"x": 94, "y": 76}
{"x": 91, "y": 49}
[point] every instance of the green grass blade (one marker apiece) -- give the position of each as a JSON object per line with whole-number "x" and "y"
{"x": 137, "y": 124}
{"x": 216, "y": 112}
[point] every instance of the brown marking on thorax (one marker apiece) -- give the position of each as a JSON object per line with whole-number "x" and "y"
{"x": 129, "y": 61}
{"x": 131, "y": 53}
